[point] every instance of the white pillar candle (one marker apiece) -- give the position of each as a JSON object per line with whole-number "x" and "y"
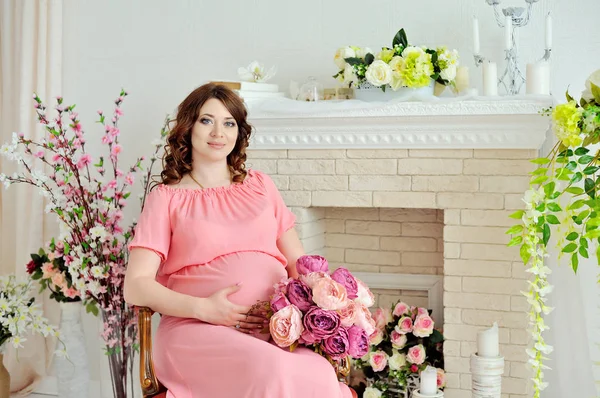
{"x": 548, "y": 32}
{"x": 462, "y": 79}
{"x": 508, "y": 32}
{"x": 487, "y": 342}
{"x": 475, "y": 36}
{"x": 428, "y": 386}
{"x": 490, "y": 79}
{"x": 538, "y": 78}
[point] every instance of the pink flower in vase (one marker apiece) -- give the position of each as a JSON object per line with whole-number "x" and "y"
{"x": 401, "y": 309}
{"x": 416, "y": 354}
{"x": 398, "y": 340}
{"x": 423, "y": 326}
{"x": 48, "y": 270}
{"x": 405, "y": 325}
{"x": 441, "y": 378}
{"x": 84, "y": 161}
{"x": 39, "y": 154}
{"x": 70, "y": 292}
{"x": 382, "y": 317}
{"x": 129, "y": 179}
{"x": 378, "y": 360}
{"x": 119, "y": 111}
{"x": 414, "y": 368}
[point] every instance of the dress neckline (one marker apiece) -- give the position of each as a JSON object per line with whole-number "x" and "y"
{"x": 232, "y": 187}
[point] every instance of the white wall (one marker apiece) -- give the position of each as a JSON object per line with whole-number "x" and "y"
{"x": 161, "y": 50}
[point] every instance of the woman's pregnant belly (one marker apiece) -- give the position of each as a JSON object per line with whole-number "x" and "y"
{"x": 256, "y": 271}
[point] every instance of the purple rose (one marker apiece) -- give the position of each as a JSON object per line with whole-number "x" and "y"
{"x": 300, "y": 295}
{"x": 337, "y": 345}
{"x": 321, "y": 323}
{"x": 345, "y": 278}
{"x": 311, "y": 263}
{"x": 358, "y": 342}
{"x": 279, "y": 301}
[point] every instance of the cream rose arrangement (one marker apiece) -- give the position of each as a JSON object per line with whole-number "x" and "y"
{"x": 402, "y": 65}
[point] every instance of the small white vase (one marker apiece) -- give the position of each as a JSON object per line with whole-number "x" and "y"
{"x": 72, "y": 373}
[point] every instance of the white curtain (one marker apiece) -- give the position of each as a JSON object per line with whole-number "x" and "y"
{"x": 30, "y": 61}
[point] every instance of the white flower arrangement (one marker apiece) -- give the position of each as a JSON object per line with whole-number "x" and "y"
{"x": 20, "y": 316}
{"x": 402, "y": 65}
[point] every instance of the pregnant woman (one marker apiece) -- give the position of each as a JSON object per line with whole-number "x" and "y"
{"x": 212, "y": 240}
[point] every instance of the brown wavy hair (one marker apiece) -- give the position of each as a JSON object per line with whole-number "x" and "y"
{"x": 177, "y": 160}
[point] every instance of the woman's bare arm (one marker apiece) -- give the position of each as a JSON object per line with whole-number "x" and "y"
{"x": 289, "y": 244}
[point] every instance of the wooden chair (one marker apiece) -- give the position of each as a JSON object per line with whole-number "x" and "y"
{"x": 151, "y": 386}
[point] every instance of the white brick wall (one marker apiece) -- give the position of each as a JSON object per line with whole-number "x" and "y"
{"x": 421, "y": 211}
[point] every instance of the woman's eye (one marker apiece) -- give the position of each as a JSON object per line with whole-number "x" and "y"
{"x": 230, "y": 124}
{"x": 205, "y": 121}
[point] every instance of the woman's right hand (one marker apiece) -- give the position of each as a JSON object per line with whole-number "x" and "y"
{"x": 218, "y": 310}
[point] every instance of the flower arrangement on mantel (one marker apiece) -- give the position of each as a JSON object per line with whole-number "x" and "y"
{"x": 88, "y": 197}
{"x": 401, "y": 65}
{"x": 563, "y": 202}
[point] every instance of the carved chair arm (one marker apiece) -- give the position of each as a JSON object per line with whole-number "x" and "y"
{"x": 150, "y": 384}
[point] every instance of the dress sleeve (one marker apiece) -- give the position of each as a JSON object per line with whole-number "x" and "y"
{"x": 153, "y": 230}
{"x": 284, "y": 216}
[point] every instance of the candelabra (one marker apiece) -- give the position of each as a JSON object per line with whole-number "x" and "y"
{"x": 511, "y": 18}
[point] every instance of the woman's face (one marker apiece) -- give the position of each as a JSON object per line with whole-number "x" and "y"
{"x": 214, "y": 133}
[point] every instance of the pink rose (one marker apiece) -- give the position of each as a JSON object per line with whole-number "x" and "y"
{"x": 441, "y": 378}
{"x": 359, "y": 342}
{"x": 422, "y": 311}
{"x": 416, "y": 354}
{"x": 401, "y": 309}
{"x": 329, "y": 295}
{"x": 281, "y": 286}
{"x": 348, "y": 314}
{"x": 286, "y": 326}
{"x": 405, "y": 325}
{"x": 378, "y": 360}
{"x": 311, "y": 263}
{"x": 70, "y": 292}
{"x": 364, "y": 319}
{"x": 423, "y": 326}
{"x": 376, "y": 337}
{"x": 382, "y": 317}
{"x": 279, "y": 301}
{"x": 398, "y": 340}
{"x": 48, "y": 270}
{"x": 346, "y": 279}
{"x": 365, "y": 296}
{"x": 59, "y": 280}
{"x": 313, "y": 277}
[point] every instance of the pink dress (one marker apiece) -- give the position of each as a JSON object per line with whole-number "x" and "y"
{"x": 214, "y": 238}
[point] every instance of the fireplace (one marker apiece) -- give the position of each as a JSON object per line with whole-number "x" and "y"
{"x": 415, "y": 198}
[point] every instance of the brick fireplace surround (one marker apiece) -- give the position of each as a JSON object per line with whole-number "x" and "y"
{"x": 415, "y": 198}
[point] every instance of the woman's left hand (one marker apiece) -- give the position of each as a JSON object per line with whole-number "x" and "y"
{"x": 254, "y": 323}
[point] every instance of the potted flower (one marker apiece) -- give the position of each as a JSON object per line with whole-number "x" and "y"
{"x": 404, "y": 344}
{"x": 403, "y": 69}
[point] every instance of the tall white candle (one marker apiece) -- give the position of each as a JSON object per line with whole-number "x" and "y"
{"x": 490, "y": 79}
{"x": 548, "y": 32}
{"x": 475, "y": 36}
{"x": 487, "y": 342}
{"x": 508, "y": 32}
{"x": 462, "y": 79}
{"x": 538, "y": 78}
{"x": 428, "y": 386}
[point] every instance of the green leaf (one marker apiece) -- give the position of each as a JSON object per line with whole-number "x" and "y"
{"x": 576, "y": 178}
{"x": 585, "y": 159}
{"x": 400, "y": 39}
{"x": 517, "y": 214}
{"x": 593, "y": 222}
{"x": 571, "y": 165}
{"x": 540, "y": 161}
{"x": 539, "y": 180}
{"x": 541, "y": 207}
{"x": 354, "y": 61}
{"x": 581, "y": 216}
{"x": 541, "y": 170}
{"x": 568, "y": 96}
{"x": 436, "y": 337}
{"x": 573, "y": 236}
{"x": 552, "y": 219}
{"x": 554, "y": 195}
{"x": 546, "y": 234}
{"x": 549, "y": 188}
{"x": 515, "y": 229}
{"x": 569, "y": 248}
{"x": 553, "y": 206}
{"x": 592, "y": 234}
{"x": 575, "y": 190}
{"x": 589, "y": 185}
{"x": 583, "y": 242}
{"x": 581, "y": 151}
{"x": 524, "y": 252}
{"x": 590, "y": 170}
{"x": 369, "y": 58}
{"x": 576, "y": 205}
{"x": 517, "y": 240}
{"x": 574, "y": 262}
{"x": 583, "y": 252}
{"x": 598, "y": 254}
{"x": 91, "y": 308}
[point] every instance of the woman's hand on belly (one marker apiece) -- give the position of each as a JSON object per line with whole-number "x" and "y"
{"x": 218, "y": 310}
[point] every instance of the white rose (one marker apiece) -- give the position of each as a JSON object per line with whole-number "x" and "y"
{"x": 363, "y": 51}
{"x": 341, "y": 54}
{"x": 379, "y": 73}
{"x": 449, "y": 73}
{"x": 397, "y": 360}
{"x": 371, "y": 392}
{"x": 412, "y": 49}
{"x": 349, "y": 75}
{"x": 595, "y": 79}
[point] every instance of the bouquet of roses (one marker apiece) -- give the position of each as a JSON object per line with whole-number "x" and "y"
{"x": 404, "y": 344}
{"x": 328, "y": 313}
{"x": 52, "y": 273}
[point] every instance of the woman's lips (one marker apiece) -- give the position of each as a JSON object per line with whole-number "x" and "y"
{"x": 216, "y": 145}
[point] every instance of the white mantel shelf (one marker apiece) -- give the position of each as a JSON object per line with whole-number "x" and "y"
{"x": 478, "y": 122}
